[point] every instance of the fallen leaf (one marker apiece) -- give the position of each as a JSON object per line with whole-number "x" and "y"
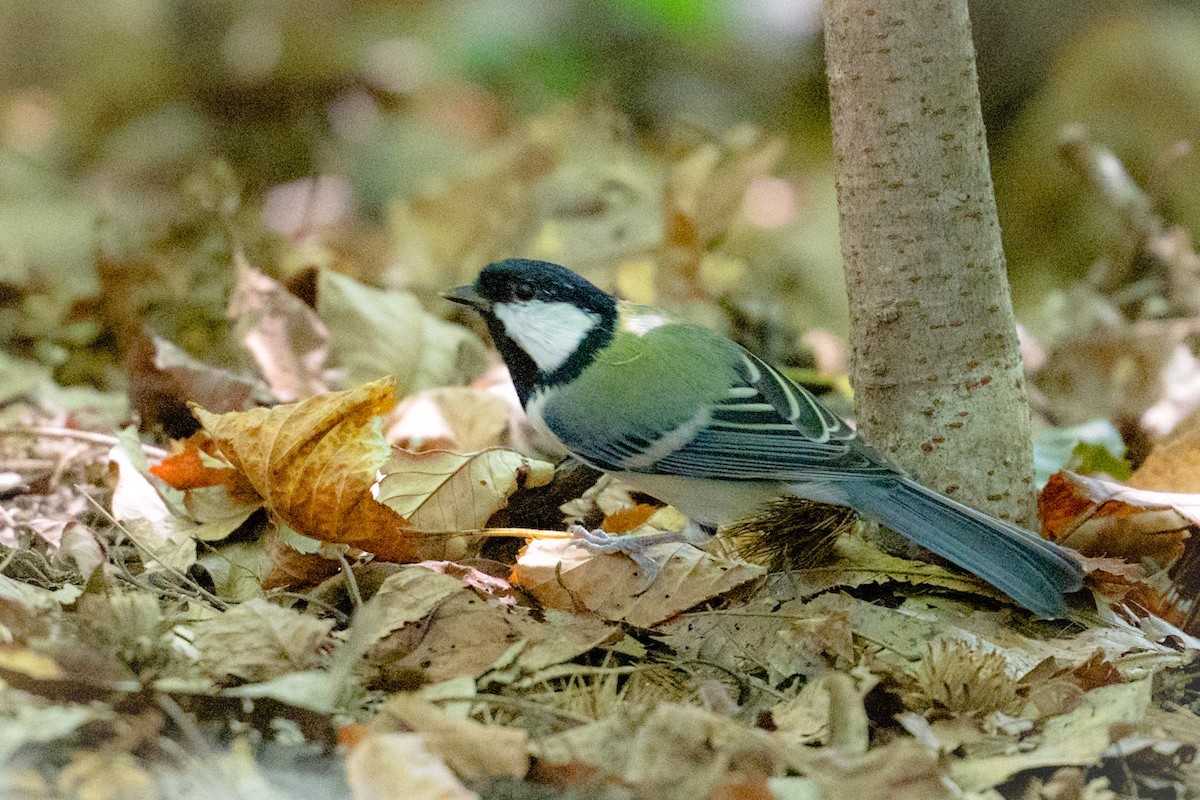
{"x": 381, "y": 764}
{"x": 192, "y": 466}
{"x": 1112, "y": 370}
{"x": 473, "y": 750}
{"x": 440, "y": 493}
{"x": 285, "y": 337}
{"x": 904, "y": 769}
{"x": 163, "y": 379}
{"x": 27, "y": 723}
{"x": 1105, "y": 518}
{"x": 163, "y": 537}
{"x": 238, "y": 569}
{"x": 460, "y": 418}
{"x": 285, "y": 564}
{"x": 257, "y": 641}
{"x": 1073, "y": 739}
{"x": 407, "y": 596}
{"x": 1173, "y": 465}
{"x": 106, "y": 775}
{"x": 564, "y": 575}
{"x": 682, "y": 752}
{"x": 314, "y": 463}
{"x": 468, "y": 635}
{"x": 813, "y": 644}
{"x": 375, "y": 332}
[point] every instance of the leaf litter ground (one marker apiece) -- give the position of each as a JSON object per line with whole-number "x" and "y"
{"x": 323, "y": 592}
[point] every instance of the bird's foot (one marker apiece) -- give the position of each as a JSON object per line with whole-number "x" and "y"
{"x": 635, "y": 545}
{"x": 632, "y": 545}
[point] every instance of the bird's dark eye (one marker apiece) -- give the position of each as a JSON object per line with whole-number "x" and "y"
{"x": 523, "y": 291}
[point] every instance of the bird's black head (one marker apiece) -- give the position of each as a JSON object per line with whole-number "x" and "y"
{"x": 547, "y": 322}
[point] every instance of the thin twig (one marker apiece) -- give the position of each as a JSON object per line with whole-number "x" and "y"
{"x": 342, "y": 617}
{"x": 517, "y": 702}
{"x": 93, "y": 437}
{"x": 185, "y": 579}
{"x": 351, "y": 582}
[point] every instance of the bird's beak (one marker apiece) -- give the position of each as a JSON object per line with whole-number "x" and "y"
{"x": 467, "y": 296}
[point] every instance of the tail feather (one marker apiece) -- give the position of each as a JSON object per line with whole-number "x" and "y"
{"x": 1032, "y": 571}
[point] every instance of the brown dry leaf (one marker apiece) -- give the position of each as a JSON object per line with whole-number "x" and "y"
{"x": 803, "y": 719}
{"x": 580, "y": 751}
{"x": 287, "y": 340}
{"x": 473, "y": 750}
{"x": 216, "y": 495}
{"x": 1097, "y": 671}
{"x": 1104, "y": 518}
{"x": 704, "y": 193}
{"x": 564, "y": 575}
{"x": 66, "y": 672}
{"x": 257, "y": 641}
{"x": 1174, "y": 463}
{"x": 443, "y": 492}
{"x": 405, "y": 597}
{"x": 164, "y": 378}
{"x": 460, "y": 418}
{"x": 710, "y": 183}
{"x": 288, "y": 566}
{"x": 682, "y": 752}
{"x": 467, "y": 635}
{"x": 745, "y": 637}
{"x": 756, "y": 787}
{"x": 193, "y": 465}
{"x": 381, "y": 764}
{"x": 862, "y": 563}
{"x": 1112, "y": 370}
{"x": 904, "y": 769}
{"x": 314, "y": 463}
{"x": 164, "y": 538}
{"x": 374, "y": 332}
{"x": 814, "y": 644}
{"x": 28, "y": 720}
{"x": 1073, "y": 739}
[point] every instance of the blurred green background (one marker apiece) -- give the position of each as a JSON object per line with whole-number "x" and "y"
{"x": 141, "y": 139}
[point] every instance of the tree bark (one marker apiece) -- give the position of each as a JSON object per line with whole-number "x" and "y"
{"x": 936, "y": 366}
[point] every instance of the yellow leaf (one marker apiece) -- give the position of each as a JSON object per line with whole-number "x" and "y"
{"x": 314, "y": 462}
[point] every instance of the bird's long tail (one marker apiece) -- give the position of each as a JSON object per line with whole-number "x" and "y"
{"x": 1032, "y": 571}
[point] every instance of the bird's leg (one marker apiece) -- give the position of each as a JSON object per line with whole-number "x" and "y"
{"x": 634, "y": 545}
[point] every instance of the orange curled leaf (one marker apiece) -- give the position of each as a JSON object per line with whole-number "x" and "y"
{"x": 187, "y": 469}
{"x": 314, "y": 462}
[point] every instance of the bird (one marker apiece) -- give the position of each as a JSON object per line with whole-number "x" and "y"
{"x": 693, "y": 419}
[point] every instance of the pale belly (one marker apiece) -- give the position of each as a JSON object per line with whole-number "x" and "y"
{"x": 711, "y": 502}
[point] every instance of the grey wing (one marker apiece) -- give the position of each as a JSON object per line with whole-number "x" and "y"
{"x": 766, "y": 428}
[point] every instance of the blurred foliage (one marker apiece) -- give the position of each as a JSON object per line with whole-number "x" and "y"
{"x": 143, "y": 141}
{"x": 1132, "y": 78}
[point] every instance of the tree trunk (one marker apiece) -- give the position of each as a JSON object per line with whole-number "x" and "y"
{"x": 937, "y": 370}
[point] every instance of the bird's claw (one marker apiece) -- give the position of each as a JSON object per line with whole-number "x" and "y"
{"x": 601, "y": 541}
{"x": 604, "y": 543}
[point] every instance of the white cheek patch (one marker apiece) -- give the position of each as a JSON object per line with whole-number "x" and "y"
{"x": 549, "y": 332}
